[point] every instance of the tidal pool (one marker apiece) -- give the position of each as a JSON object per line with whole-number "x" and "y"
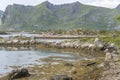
{"x": 9, "y": 58}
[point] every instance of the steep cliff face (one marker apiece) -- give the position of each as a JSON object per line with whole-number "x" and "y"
{"x": 47, "y": 16}
{"x": 1, "y": 14}
{"x": 15, "y": 16}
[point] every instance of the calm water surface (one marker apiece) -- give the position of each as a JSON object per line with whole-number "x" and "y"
{"x": 12, "y": 56}
{"x": 6, "y": 36}
{"x": 24, "y": 57}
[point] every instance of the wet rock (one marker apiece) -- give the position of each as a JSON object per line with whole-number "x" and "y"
{"x": 87, "y": 63}
{"x": 111, "y": 48}
{"x": 15, "y": 74}
{"x": 61, "y": 77}
{"x": 105, "y": 46}
{"x": 69, "y": 64}
{"x": 74, "y": 72}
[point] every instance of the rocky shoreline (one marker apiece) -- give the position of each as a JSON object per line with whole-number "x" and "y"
{"x": 78, "y": 70}
{"x": 96, "y": 68}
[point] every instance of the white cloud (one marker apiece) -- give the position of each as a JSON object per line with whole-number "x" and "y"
{"x": 104, "y": 3}
{"x": 4, "y": 3}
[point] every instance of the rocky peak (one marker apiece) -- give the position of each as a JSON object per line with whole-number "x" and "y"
{"x": 17, "y": 5}
{"x": 48, "y": 4}
{"x": 77, "y": 3}
{"x": 62, "y": 6}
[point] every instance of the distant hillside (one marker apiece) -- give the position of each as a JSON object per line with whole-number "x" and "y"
{"x": 46, "y": 16}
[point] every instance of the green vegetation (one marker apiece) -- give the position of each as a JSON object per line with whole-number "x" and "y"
{"x": 47, "y": 16}
{"x": 105, "y": 36}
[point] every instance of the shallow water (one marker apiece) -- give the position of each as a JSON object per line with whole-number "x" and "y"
{"x": 18, "y": 34}
{"x": 9, "y": 58}
{"x": 6, "y": 36}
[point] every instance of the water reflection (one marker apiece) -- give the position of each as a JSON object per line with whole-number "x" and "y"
{"x": 17, "y": 34}
{"x": 21, "y": 48}
{"x": 22, "y": 56}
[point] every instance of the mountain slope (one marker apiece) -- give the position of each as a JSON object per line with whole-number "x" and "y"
{"x": 1, "y": 13}
{"x": 47, "y": 16}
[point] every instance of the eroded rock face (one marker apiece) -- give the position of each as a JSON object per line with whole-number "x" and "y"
{"x": 61, "y": 77}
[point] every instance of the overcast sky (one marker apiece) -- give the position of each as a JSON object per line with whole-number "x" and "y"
{"x": 103, "y": 3}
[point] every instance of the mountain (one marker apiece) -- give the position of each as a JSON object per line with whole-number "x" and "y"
{"x": 1, "y": 13}
{"x": 46, "y": 16}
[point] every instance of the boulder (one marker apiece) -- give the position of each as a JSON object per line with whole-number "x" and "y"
{"x": 108, "y": 56}
{"x": 111, "y": 56}
{"x": 74, "y": 72}
{"x": 69, "y": 64}
{"x": 61, "y": 77}
{"x": 15, "y": 74}
{"x": 105, "y": 46}
{"x": 98, "y": 43}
